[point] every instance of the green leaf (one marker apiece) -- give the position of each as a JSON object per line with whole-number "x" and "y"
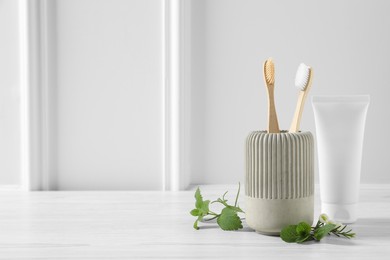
{"x": 229, "y": 220}
{"x": 323, "y": 231}
{"x": 195, "y": 212}
{"x": 223, "y": 202}
{"x": 302, "y": 239}
{"x": 303, "y": 229}
{"x": 289, "y": 234}
{"x": 198, "y": 198}
{"x": 236, "y": 209}
{"x": 204, "y": 209}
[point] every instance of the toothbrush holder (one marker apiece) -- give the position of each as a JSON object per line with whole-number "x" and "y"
{"x": 279, "y": 183}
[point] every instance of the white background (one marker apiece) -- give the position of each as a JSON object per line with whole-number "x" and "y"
{"x": 9, "y": 94}
{"x": 346, "y": 43}
{"x": 107, "y": 98}
{"x": 108, "y": 114}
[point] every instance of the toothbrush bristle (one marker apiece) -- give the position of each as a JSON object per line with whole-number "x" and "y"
{"x": 302, "y": 76}
{"x": 269, "y": 71}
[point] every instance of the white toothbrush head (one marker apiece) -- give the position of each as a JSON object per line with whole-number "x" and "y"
{"x": 302, "y": 77}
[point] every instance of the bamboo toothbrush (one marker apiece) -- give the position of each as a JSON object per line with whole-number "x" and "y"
{"x": 269, "y": 80}
{"x": 303, "y": 80}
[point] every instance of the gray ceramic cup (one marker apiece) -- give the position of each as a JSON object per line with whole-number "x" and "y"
{"x": 279, "y": 183}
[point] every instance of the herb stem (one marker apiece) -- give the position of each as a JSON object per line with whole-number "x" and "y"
{"x": 238, "y": 193}
{"x": 212, "y": 218}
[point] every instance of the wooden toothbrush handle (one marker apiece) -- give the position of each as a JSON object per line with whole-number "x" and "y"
{"x": 298, "y": 112}
{"x": 273, "y": 125}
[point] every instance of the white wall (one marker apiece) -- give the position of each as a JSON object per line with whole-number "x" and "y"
{"x": 107, "y": 99}
{"x": 346, "y": 42}
{"x": 9, "y": 94}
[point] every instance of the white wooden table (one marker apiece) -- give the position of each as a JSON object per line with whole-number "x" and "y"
{"x": 157, "y": 225}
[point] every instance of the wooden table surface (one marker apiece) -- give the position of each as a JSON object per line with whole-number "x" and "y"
{"x": 157, "y": 225}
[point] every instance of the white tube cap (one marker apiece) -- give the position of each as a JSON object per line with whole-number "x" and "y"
{"x": 343, "y": 213}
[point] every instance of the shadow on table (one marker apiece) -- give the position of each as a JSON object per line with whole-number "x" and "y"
{"x": 244, "y": 229}
{"x": 215, "y": 225}
{"x": 364, "y": 228}
{"x": 372, "y": 228}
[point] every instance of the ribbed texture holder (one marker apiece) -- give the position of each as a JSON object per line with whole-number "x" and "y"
{"x": 279, "y": 166}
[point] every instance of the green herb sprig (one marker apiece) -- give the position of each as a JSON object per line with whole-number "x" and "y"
{"x": 228, "y": 219}
{"x": 304, "y": 232}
